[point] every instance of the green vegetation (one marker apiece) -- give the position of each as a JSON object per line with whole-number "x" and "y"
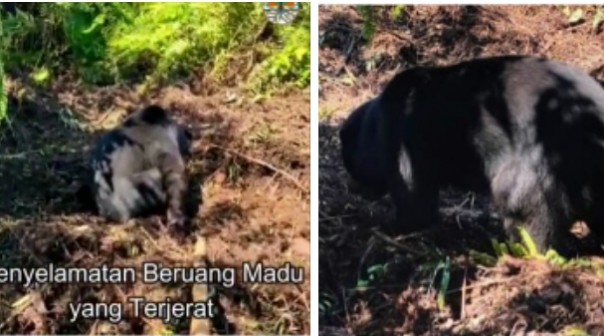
{"x": 445, "y": 268}
{"x": 524, "y": 249}
{"x": 370, "y": 20}
{"x": 367, "y": 12}
{"x": 528, "y": 250}
{"x": 374, "y": 273}
{"x": 574, "y": 331}
{"x": 150, "y": 43}
{"x": 326, "y": 112}
{"x": 398, "y": 12}
{"x": 596, "y": 12}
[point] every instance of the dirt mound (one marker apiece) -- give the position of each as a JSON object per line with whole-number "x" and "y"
{"x": 374, "y": 282}
{"x": 251, "y": 165}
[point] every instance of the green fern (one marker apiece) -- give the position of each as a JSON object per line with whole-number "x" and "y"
{"x": 369, "y": 23}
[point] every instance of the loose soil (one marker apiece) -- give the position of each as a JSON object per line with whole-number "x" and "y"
{"x": 250, "y": 168}
{"x": 375, "y": 283}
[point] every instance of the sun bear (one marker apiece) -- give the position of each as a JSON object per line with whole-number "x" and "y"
{"x": 527, "y": 131}
{"x": 138, "y": 168}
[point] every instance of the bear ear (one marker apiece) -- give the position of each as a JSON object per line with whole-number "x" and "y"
{"x": 153, "y": 115}
{"x": 402, "y": 88}
{"x": 150, "y": 115}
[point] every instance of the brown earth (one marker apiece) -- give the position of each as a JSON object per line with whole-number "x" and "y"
{"x": 373, "y": 283}
{"x": 251, "y": 161}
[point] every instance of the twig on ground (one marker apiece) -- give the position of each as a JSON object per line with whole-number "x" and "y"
{"x": 370, "y": 246}
{"x": 351, "y": 44}
{"x": 386, "y": 239}
{"x": 481, "y": 285}
{"x": 467, "y": 214}
{"x": 401, "y": 37}
{"x": 94, "y": 328}
{"x": 21, "y": 155}
{"x": 330, "y": 218}
{"x": 349, "y": 72}
{"x": 414, "y": 235}
{"x": 265, "y": 164}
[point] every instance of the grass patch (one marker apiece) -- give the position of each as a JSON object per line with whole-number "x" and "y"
{"x": 326, "y": 112}
{"x": 527, "y": 249}
{"x": 153, "y": 42}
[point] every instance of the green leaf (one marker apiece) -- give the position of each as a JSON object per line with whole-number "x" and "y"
{"x": 483, "y": 258}
{"x": 574, "y": 331}
{"x": 444, "y": 283}
{"x": 98, "y": 21}
{"x": 518, "y": 250}
{"x": 41, "y": 76}
{"x": 376, "y": 269}
{"x": 398, "y": 11}
{"x": 495, "y": 245}
{"x": 300, "y": 53}
{"x": 362, "y": 285}
{"x": 576, "y": 16}
{"x": 553, "y": 257}
{"x": 167, "y": 331}
{"x": 500, "y": 249}
{"x": 528, "y": 242}
{"x": 369, "y": 21}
